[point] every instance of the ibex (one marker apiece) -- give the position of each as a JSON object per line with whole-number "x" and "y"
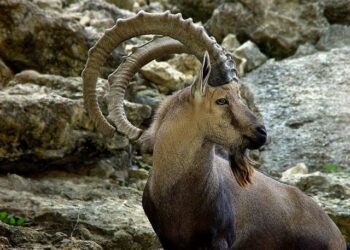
{"x": 195, "y": 198}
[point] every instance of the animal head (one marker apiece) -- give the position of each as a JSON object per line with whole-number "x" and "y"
{"x": 224, "y": 119}
{"x": 214, "y": 96}
{"x": 222, "y": 115}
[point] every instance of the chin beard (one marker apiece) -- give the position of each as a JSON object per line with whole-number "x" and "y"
{"x": 241, "y": 165}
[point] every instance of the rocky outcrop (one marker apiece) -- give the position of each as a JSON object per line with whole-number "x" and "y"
{"x": 6, "y": 74}
{"x": 277, "y": 27}
{"x": 69, "y": 210}
{"x": 43, "y": 120}
{"x": 31, "y": 38}
{"x": 89, "y": 197}
{"x": 330, "y": 190}
{"x": 251, "y": 53}
{"x": 305, "y": 104}
{"x": 337, "y": 11}
{"x": 49, "y": 42}
{"x": 167, "y": 78}
{"x": 336, "y": 36}
{"x": 200, "y": 10}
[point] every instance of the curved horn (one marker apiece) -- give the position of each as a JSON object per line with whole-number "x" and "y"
{"x": 121, "y": 77}
{"x": 191, "y": 35}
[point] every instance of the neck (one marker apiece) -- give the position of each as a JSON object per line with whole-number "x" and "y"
{"x": 181, "y": 153}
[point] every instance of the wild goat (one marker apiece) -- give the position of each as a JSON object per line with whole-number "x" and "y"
{"x": 194, "y": 198}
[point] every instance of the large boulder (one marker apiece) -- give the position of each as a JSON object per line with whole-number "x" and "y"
{"x": 5, "y": 74}
{"x": 200, "y": 10}
{"x": 70, "y": 211}
{"x": 167, "y": 78}
{"x": 277, "y": 27}
{"x": 251, "y": 53}
{"x": 43, "y": 120}
{"x": 305, "y": 104}
{"x": 330, "y": 190}
{"x": 31, "y": 38}
{"x": 337, "y": 11}
{"x": 336, "y": 36}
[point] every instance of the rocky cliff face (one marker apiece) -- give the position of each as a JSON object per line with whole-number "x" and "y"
{"x": 80, "y": 190}
{"x": 305, "y": 104}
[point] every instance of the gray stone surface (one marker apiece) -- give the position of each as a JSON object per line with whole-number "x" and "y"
{"x": 31, "y": 38}
{"x": 167, "y": 78}
{"x": 252, "y": 54}
{"x": 144, "y": 95}
{"x": 277, "y": 27}
{"x": 336, "y": 36}
{"x": 66, "y": 211}
{"x": 330, "y": 190}
{"x": 54, "y": 42}
{"x": 305, "y": 50}
{"x": 43, "y": 119}
{"x": 305, "y": 104}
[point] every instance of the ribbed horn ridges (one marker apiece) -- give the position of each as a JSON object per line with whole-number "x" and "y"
{"x": 120, "y": 78}
{"x": 147, "y": 23}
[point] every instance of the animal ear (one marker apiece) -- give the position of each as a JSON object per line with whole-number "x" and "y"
{"x": 200, "y": 84}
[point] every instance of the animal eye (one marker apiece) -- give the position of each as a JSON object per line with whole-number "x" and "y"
{"x": 221, "y": 101}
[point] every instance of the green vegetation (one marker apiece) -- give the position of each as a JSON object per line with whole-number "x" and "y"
{"x": 11, "y": 219}
{"x": 331, "y": 168}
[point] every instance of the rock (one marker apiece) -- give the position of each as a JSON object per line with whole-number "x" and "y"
{"x": 80, "y": 244}
{"x": 101, "y": 169}
{"x": 31, "y": 38}
{"x": 144, "y": 95}
{"x": 137, "y": 113}
{"x": 335, "y": 186}
{"x": 331, "y": 191}
{"x": 138, "y": 174}
{"x": 74, "y": 212}
{"x": 337, "y": 11}
{"x": 152, "y": 7}
{"x": 336, "y": 36}
{"x": 6, "y": 74}
{"x": 97, "y": 9}
{"x": 55, "y": 42}
{"x": 4, "y": 242}
{"x": 277, "y": 27}
{"x": 123, "y": 4}
{"x": 167, "y": 78}
{"x": 228, "y": 18}
{"x": 186, "y": 64}
{"x": 43, "y": 120}
{"x": 300, "y": 168}
{"x": 304, "y": 103}
{"x": 49, "y": 4}
{"x": 200, "y": 10}
{"x": 96, "y": 16}
{"x": 252, "y": 54}
{"x": 230, "y": 42}
{"x": 305, "y": 50}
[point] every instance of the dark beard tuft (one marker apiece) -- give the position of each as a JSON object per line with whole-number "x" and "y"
{"x": 242, "y": 166}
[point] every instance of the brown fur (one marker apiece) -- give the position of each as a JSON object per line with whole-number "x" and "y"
{"x": 196, "y": 199}
{"x": 243, "y": 165}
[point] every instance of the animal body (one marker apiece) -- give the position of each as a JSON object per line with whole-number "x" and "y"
{"x": 195, "y": 198}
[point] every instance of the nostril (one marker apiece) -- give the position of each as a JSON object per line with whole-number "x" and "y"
{"x": 261, "y": 130}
